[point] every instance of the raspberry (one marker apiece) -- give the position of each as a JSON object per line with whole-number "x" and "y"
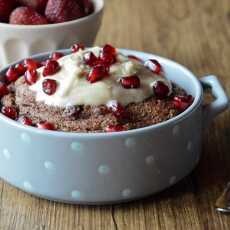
{"x": 27, "y": 16}
{"x": 38, "y": 5}
{"x": 6, "y": 7}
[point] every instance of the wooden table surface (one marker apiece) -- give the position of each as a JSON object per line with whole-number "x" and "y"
{"x": 195, "y": 33}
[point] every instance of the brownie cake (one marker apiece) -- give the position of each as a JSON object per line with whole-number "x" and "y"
{"x": 91, "y": 90}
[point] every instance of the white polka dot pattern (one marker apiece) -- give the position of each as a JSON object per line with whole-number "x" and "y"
{"x": 6, "y": 154}
{"x": 149, "y": 160}
{"x": 103, "y": 169}
{"x": 172, "y": 180}
{"x": 75, "y": 194}
{"x": 176, "y": 130}
{"x": 126, "y": 192}
{"x": 25, "y": 138}
{"x": 130, "y": 143}
{"x": 49, "y": 165}
{"x": 76, "y": 146}
{"x": 27, "y": 185}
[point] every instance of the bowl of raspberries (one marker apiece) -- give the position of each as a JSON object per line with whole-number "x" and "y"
{"x": 28, "y": 27}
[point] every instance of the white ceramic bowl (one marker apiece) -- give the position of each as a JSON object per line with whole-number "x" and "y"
{"x": 98, "y": 168}
{"x": 21, "y": 41}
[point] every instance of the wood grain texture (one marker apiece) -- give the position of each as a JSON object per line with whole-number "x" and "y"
{"x": 195, "y": 33}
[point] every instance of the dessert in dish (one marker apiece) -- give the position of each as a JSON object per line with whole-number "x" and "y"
{"x": 39, "y": 12}
{"x": 91, "y": 90}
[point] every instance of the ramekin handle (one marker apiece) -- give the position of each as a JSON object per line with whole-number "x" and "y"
{"x": 221, "y": 102}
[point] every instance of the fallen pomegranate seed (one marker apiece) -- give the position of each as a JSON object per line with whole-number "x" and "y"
{"x": 56, "y": 55}
{"x": 90, "y": 59}
{"x": 49, "y": 86}
{"x": 31, "y": 76}
{"x": 130, "y": 82}
{"x": 154, "y": 65}
{"x": 20, "y": 68}
{"x": 3, "y": 89}
{"x": 51, "y": 68}
{"x": 12, "y": 74}
{"x": 118, "y": 110}
{"x": 10, "y": 112}
{"x": 135, "y": 58}
{"x": 160, "y": 90}
{"x": 46, "y": 125}
{"x": 25, "y": 121}
{"x": 31, "y": 64}
{"x": 77, "y": 47}
{"x": 97, "y": 73}
{"x": 182, "y": 102}
{"x": 114, "y": 128}
{"x": 109, "y": 50}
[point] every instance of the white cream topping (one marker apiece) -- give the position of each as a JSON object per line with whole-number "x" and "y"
{"x": 74, "y": 89}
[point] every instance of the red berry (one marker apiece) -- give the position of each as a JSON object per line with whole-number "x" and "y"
{"x": 6, "y": 6}
{"x": 49, "y": 86}
{"x": 46, "y": 125}
{"x": 118, "y": 110}
{"x": 20, "y": 68}
{"x": 90, "y": 59}
{"x": 10, "y": 112}
{"x": 3, "y": 89}
{"x": 31, "y": 64}
{"x": 182, "y": 102}
{"x": 12, "y": 74}
{"x": 130, "y": 82}
{"x": 114, "y": 128}
{"x": 56, "y": 55}
{"x": 160, "y": 90}
{"x": 154, "y": 65}
{"x": 31, "y": 76}
{"x": 97, "y": 73}
{"x": 135, "y": 58}
{"x": 88, "y": 6}
{"x": 63, "y": 10}
{"x": 109, "y": 50}
{"x": 77, "y": 47}
{"x": 25, "y": 121}
{"x": 51, "y": 68}
{"x": 38, "y": 5}
{"x": 27, "y": 16}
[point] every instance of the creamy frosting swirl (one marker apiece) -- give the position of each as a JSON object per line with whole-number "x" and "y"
{"x": 74, "y": 89}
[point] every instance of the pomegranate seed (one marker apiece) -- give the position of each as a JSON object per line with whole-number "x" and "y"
{"x": 20, "y": 68}
{"x": 135, "y": 58}
{"x": 107, "y": 59}
{"x": 31, "y": 76}
{"x": 109, "y": 50}
{"x": 77, "y": 47}
{"x": 90, "y": 59}
{"x": 25, "y": 121}
{"x": 49, "y": 86}
{"x": 154, "y": 65}
{"x": 51, "y": 68}
{"x": 3, "y": 89}
{"x": 46, "y": 125}
{"x": 31, "y": 64}
{"x": 130, "y": 82}
{"x": 97, "y": 73}
{"x": 182, "y": 102}
{"x": 114, "y": 128}
{"x": 10, "y": 112}
{"x": 160, "y": 89}
{"x": 56, "y": 55}
{"x": 118, "y": 110}
{"x": 12, "y": 74}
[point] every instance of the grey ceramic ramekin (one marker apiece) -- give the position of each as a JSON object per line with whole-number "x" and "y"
{"x": 110, "y": 167}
